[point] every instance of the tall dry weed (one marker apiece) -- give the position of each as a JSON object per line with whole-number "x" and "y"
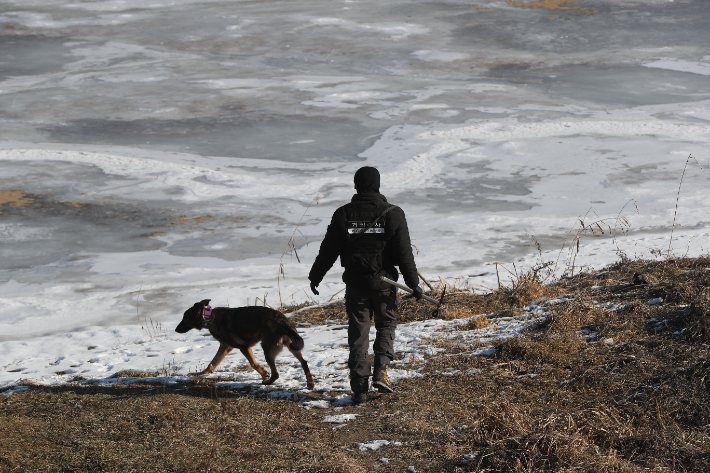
{"x": 677, "y": 201}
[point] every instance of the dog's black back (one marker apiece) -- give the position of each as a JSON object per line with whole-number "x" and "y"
{"x": 244, "y": 327}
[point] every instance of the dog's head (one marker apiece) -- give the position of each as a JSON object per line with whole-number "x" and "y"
{"x": 192, "y": 318}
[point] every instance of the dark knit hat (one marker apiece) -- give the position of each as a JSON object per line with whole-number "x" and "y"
{"x": 367, "y": 179}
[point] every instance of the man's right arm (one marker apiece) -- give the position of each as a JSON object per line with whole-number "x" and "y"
{"x": 330, "y": 248}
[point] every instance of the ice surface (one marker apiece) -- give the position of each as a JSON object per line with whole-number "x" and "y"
{"x": 696, "y": 67}
{"x": 166, "y": 152}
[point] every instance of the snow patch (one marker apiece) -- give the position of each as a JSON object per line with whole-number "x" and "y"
{"x": 339, "y": 418}
{"x": 376, "y": 445}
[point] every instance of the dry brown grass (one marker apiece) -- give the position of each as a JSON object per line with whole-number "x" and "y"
{"x": 475, "y": 324}
{"x": 526, "y": 288}
{"x": 319, "y": 315}
{"x": 458, "y": 304}
{"x": 633, "y": 398}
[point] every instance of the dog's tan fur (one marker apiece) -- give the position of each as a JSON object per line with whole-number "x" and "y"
{"x": 244, "y": 327}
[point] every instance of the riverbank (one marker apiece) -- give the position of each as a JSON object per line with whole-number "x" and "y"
{"x": 612, "y": 376}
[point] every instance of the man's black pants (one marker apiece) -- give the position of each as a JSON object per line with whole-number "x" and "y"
{"x": 362, "y": 306}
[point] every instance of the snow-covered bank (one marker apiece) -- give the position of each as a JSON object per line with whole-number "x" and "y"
{"x": 92, "y": 355}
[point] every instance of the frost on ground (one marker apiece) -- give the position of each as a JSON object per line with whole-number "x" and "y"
{"x": 123, "y": 355}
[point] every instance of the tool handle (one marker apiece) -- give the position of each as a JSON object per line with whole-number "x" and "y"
{"x": 409, "y": 290}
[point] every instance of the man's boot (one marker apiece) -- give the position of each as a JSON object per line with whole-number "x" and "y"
{"x": 380, "y": 380}
{"x": 359, "y": 386}
{"x": 359, "y": 397}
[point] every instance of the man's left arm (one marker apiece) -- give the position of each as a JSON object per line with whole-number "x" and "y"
{"x": 403, "y": 253}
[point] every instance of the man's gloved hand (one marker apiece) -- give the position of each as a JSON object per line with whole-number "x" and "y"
{"x": 314, "y": 288}
{"x": 417, "y": 293}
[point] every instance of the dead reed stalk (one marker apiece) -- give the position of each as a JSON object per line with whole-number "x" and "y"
{"x": 582, "y": 228}
{"x": 291, "y": 245}
{"x": 677, "y": 199}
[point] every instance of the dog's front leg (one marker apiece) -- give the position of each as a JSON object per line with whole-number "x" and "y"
{"x": 221, "y": 353}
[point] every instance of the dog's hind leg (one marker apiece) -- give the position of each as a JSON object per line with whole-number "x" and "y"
{"x": 252, "y": 362}
{"x": 270, "y": 352}
{"x": 221, "y": 353}
{"x": 309, "y": 379}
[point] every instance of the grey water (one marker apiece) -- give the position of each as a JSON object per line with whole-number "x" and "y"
{"x": 76, "y": 73}
{"x": 80, "y": 73}
{"x": 291, "y": 82}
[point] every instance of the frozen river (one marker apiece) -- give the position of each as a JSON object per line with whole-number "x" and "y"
{"x": 165, "y": 151}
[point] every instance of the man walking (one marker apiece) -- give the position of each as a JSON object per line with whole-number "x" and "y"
{"x": 371, "y": 237}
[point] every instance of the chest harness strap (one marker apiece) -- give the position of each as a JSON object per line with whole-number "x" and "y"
{"x": 372, "y": 224}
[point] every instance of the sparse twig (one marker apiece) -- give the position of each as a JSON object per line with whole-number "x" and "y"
{"x": 156, "y": 328}
{"x": 291, "y": 245}
{"x": 425, "y": 281}
{"x": 537, "y": 245}
{"x": 137, "y": 312}
{"x": 333, "y": 297}
{"x": 677, "y": 199}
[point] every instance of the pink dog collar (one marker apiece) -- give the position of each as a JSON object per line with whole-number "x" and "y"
{"x": 206, "y": 316}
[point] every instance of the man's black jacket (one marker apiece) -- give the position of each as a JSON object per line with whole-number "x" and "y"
{"x": 397, "y": 250}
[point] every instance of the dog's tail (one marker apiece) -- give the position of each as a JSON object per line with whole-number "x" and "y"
{"x": 296, "y": 340}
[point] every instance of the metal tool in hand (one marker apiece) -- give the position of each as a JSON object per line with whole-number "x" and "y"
{"x": 434, "y": 314}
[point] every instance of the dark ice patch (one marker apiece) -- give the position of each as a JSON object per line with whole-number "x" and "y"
{"x": 566, "y": 31}
{"x": 62, "y": 231}
{"x": 31, "y": 55}
{"x": 289, "y": 138}
{"x": 476, "y": 194}
{"x": 618, "y": 85}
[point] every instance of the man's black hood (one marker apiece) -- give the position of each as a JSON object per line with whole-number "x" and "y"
{"x": 367, "y": 180}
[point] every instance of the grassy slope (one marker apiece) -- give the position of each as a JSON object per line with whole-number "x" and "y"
{"x": 636, "y": 400}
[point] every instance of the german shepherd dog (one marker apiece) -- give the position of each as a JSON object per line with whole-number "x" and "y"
{"x": 242, "y": 328}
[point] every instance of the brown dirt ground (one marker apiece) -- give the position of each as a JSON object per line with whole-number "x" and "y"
{"x": 608, "y": 383}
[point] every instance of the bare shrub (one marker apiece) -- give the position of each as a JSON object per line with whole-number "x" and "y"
{"x": 525, "y": 288}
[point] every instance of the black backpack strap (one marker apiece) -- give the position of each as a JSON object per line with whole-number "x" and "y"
{"x": 372, "y": 224}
